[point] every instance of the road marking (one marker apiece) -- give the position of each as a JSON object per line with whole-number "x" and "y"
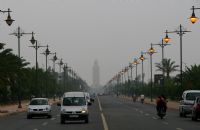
{"x": 102, "y": 116}
{"x": 179, "y": 129}
{"x": 141, "y": 112}
{"x": 100, "y": 108}
{"x": 154, "y": 118}
{"x": 35, "y": 129}
{"x": 45, "y": 123}
{"x": 53, "y": 119}
{"x": 104, "y": 122}
{"x": 164, "y": 122}
{"x": 58, "y": 115}
{"x": 147, "y": 114}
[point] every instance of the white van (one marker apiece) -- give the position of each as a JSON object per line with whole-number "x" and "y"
{"x": 187, "y": 102}
{"x": 74, "y": 106}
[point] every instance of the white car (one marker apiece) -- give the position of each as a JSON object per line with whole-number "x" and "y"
{"x": 39, "y": 107}
{"x": 74, "y": 106}
{"x": 187, "y": 102}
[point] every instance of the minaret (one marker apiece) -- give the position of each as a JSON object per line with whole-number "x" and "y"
{"x": 96, "y": 74}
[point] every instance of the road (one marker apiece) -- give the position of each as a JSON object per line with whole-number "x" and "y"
{"x": 110, "y": 113}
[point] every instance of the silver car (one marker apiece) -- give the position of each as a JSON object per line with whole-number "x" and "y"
{"x": 39, "y": 107}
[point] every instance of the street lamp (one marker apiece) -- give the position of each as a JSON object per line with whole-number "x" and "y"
{"x": 142, "y": 58}
{"x": 180, "y": 32}
{"x": 36, "y": 47}
{"x": 46, "y": 53}
{"x": 151, "y": 51}
{"x": 135, "y": 62}
{"x": 9, "y": 21}
{"x": 162, "y": 45}
{"x": 193, "y": 18}
{"x": 18, "y": 33}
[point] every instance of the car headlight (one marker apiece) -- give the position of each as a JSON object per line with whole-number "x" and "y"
{"x": 29, "y": 109}
{"x": 84, "y": 111}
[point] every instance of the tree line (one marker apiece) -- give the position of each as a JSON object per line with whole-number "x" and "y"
{"x": 169, "y": 85}
{"x": 16, "y": 79}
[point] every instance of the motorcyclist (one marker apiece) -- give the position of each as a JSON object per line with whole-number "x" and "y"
{"x": 161, "y": 102}
{"x": 142, "y": 98}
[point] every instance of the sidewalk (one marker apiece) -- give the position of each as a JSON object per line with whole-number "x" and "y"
{"x": 6, "y": 110}
{"x": 170, "y": 104}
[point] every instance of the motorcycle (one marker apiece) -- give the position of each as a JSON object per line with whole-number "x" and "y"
{"x": 161, "y": 112}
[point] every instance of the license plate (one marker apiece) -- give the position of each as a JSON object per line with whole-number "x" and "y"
{"x": 73, "y": 116}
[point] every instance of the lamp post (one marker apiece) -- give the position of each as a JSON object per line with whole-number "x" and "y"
{"x": 46, "y": 53}
{"x": 180, "y": 32}
{"x": 135, "y": 62}
{"x": 60, "y": 65}
{"x": 19, "y": 33}
{"x": 9, "y": 20}
{"x": 151, "y": 52}
{"x": 162, "y": 45}
{"x": 193, "y": 18}
{"x": 142, "y": 58}
{"x": 36, "y": 47}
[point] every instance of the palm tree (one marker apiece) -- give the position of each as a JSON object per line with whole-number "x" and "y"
{"x": 167, "y": 66}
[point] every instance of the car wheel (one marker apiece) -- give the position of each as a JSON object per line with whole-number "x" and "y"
{"x": 194, "y": 116}
{"x": 87, "y": 120}
{"x": 62, "y": 120}
{"x": 49, "y": 116}
{"x": 28, "y": 117}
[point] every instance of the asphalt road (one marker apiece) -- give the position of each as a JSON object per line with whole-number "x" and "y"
{"x": 110, "y": 113}
{"x": 121, "y": 114}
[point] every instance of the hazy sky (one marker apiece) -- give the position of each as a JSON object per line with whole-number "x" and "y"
{"x": 112, "y": 31}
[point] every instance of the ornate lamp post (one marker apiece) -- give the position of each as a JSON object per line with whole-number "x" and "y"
{"x": 9, "y": 20}
{"x": 46, "y": 53}
{"x": 142, "y": 58}
{"x": 18, "y": 33}
{"x": 180, "y": 32}
{"x": 151, "y": 52}
{"x": 36, "y": 47}
{"x": 193, "y": 18}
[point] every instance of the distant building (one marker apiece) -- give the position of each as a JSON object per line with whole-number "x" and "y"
{"x": 96, "y": 75}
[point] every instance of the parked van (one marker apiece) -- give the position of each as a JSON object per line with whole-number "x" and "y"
{"x": 187, "y": 102}
{"x": 74, "y": 106}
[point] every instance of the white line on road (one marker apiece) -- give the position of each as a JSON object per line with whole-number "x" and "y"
{"x": 45, "y": 123}
{"x": 100, "y": 108}
{"x": 164, "y": 122}
{"x": 104, "y": 122}
{"x": 154, "y": 118}
{"x": 53, "y": 119}
{"x": 147, "y": 114}
{"x": 102, "y": 116}
{"x": 179, "y": 129}
{"x": 35, "y": 129}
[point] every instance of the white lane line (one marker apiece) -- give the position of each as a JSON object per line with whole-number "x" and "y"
{"x": 147, "y": 114}
{"x": 164, "y": 122}
{"x": 154, "y": 118}
{"x": 45, "y": 123}
{"x": 53, "y": 119}
{"x": 179, "y": 129}
{"x": 35, "y": 129}
{"x": 100, "y": 108}
{"x": 104, "y": 122}
{"x": 102, "y": 116}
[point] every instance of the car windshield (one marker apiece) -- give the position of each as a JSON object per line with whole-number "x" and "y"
{"x": 39, "y": 102}
{"x": 192, "y": 96}
{"x": 74, "y": 101}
